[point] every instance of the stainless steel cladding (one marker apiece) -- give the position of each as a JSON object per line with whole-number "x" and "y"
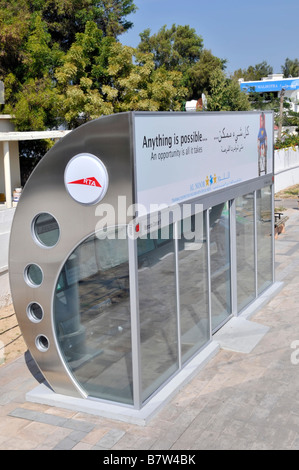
{"x": 52, "y": 219}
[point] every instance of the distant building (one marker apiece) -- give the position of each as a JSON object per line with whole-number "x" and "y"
{"x": 274, "y": 84}
{"x": 197, "y": 105}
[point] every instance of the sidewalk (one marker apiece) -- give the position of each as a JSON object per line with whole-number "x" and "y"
{"x": 238, "y": 401}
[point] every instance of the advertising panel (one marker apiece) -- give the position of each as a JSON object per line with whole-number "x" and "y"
{"x": 180, "y": 156}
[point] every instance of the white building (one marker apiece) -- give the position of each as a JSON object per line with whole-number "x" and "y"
{"x": 275, "y": 84}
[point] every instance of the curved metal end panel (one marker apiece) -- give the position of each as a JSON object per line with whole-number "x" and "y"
{"x": 51, "y": 219}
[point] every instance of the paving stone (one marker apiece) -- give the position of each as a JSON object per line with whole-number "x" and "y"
{"x": 95, "y": 435}
{"x": 78, "y": 425}
{"x": 110, "y": 438}
{"x": 70, "y": 441}
{"x": 82, "y": 446}
{"x": 38, "y": 416}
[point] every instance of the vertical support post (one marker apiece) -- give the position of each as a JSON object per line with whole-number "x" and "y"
{"x": 177, "y": 282}
{"x": 7, "y": 175}
{"x": 255, "y": 244}
{"x": 135, "y": 322}
{"x": 209, "y": 269}
{"x": 233, "y": 257}
{"x": 273, "y": 232}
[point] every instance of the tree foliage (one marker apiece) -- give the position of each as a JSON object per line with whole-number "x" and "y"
{"x": 101, "y": 76}
{"x": 290, "y": 68}
{"x": 177, "y": 47}
{"x": 137, "y": 85}
{"x": 62, "y": 64}
{"x": 181, "y": 49}
{"x": 81, "y": 75}
{"x": 254, "y": 72}
{"x": 225, "y": 94}
{"x": 66, "y": 18}
{"x": 40, "y": 39}
{"x": 199, "y": 76}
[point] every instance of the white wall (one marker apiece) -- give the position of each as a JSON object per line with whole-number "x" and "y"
{"x": 6, "y": 217}
{"x": 286, "y": 168}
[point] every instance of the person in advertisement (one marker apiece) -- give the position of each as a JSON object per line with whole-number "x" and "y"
{"x": 262, "y": 146}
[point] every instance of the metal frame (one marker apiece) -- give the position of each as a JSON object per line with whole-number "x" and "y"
{"x": 178, "y": 302}
{"x": 233, "y": 258}
{"x": 255, "y": 246}
{"x": 135, "y": 323}
{"x": 209, "y": 270}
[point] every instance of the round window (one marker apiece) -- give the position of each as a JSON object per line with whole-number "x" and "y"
{"x": 35, "y": 312}
{"x": 42, "y": 343}
{"x": 33, "y": 275}
{"x": 46, "y": 230}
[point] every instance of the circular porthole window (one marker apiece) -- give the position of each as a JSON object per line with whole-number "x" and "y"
{"x": 33, "y": 275}
{"x": 35, "y": 312}
{"x": 45, "y": 230}
{"x": 42, "y": 343}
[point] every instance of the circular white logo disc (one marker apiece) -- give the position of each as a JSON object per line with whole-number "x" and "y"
{"x": 86, "y": 178}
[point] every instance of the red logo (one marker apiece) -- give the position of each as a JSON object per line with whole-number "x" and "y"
{"x": 87, "y": 182}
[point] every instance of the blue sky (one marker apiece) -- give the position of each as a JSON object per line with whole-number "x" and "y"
{"x": 244, "y": 33}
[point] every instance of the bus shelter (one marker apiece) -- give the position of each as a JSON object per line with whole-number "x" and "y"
{"x": 136, "y": 238}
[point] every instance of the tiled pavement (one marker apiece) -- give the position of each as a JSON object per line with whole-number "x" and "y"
{"x": 238, "y": 401}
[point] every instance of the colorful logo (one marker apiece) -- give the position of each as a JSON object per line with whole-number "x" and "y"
{"x": 211, "y": 180}
{"x": 87, "y": 182}
{"x": 79, "y": 183}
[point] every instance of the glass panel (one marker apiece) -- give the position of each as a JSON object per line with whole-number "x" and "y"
{"x": 245, "y": 250}
{"x": 158, "y": 312}
{"x": 220, "y": 264}
{"x": 92, "y": 317}
{"x": 264, "y": 238}
{"x": 46, "y": 229}
{"x": 193, "y": 270}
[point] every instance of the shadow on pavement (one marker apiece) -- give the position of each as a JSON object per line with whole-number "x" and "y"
{"x": 34, "y": 369}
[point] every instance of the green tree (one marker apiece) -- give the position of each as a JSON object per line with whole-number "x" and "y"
{"x": 200, "y": 73}
{"x": 35, "y": 40}
{"x": 181, "y": 49}
{"x": 254, "y": 72}
{"x": 101, "y": 76}
{"x": 263, "y": 101}
{"x": 14, "y": 29}
{"x": 66, "y": 18}
{"x": 30, "y": 90}
{"x": 225, "y": 94}
{"x": 176, "y": 48}
{"x": 83, "y": 73}
{"x": 137, "y": 85}
{"x": 290, "y": 68}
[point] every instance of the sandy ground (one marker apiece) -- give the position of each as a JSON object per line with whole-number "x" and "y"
{"x": 12, "y": 344}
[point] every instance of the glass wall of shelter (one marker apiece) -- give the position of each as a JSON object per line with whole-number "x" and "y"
{"x": 131, "y": 312}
